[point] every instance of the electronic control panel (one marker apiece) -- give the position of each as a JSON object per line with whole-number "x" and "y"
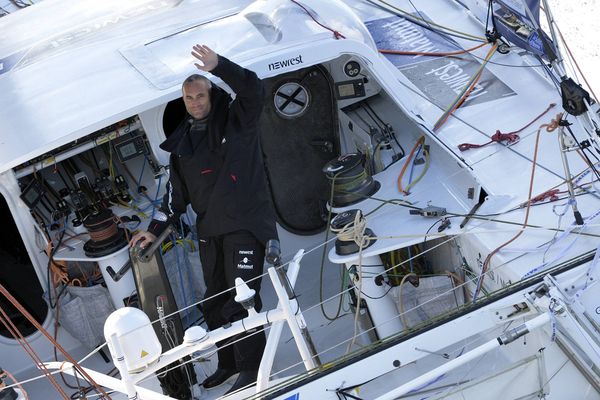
{"x": 130, "y": 147}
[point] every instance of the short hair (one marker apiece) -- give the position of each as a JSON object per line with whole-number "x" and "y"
{"x": 197, "y": 77}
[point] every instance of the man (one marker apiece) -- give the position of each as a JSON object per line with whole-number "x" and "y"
{"x": 216, "y": 166}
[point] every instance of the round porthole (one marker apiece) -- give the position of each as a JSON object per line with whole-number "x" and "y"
{"x": 291, "y": 100}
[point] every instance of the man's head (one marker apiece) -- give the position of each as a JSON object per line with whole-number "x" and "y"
{"x": 196, "y": 95}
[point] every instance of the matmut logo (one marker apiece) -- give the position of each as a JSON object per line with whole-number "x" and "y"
{"x": 286, "y": 63}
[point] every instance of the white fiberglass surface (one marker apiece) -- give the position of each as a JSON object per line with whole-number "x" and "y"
{"x": 69, "y": 78}
{"x": 65, "y": 78}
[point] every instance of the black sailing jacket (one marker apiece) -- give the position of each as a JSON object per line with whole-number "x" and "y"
{"x": 222, "y": 174}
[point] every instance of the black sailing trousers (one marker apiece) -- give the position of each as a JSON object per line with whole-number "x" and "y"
{"x": 224, "y": 258}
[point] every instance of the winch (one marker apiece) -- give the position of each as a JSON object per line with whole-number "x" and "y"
{"x": 351, "y": 233}
{"x": 105, "y": 236}
{"x": 351, "y": 182}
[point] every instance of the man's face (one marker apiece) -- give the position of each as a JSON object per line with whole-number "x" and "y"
{"x": 196, "y": 97}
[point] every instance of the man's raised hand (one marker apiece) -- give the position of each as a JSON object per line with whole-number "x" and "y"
{"x": 206, "y": 56}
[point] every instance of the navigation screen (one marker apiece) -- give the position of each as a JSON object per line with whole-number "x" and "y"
{"x": 127, "y": 150}
{"x": 346, "y": 90}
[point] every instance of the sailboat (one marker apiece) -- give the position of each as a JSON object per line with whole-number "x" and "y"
{"x": 433, "y": 166}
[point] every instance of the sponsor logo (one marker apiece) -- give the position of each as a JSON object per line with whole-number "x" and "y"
{"x": 286, "y": 63}
{"x": 439, "y": 78}
{"x": 535, "y": 42}
{"x": 250, "y": 252}
{"x": 245, "y": 263}
{"x": 455, "y": 78}
{"x": 82, "y": 33}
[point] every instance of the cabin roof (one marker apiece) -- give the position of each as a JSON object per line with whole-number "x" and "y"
{"x": 69, "y": 69}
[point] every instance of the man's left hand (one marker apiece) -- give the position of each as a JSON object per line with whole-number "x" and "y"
{"x": 207, "y": 56}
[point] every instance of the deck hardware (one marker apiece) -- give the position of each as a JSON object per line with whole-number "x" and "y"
{"x": 429, "y": 211}
{"x": 352, "y": 69}
{"x": 350, "y": 180}
{"x": 144, "y": 255}
{"x": 344, "y": 225}
{"x": 573, "y": 96}
{"x": 116, "y": 276}
{"x": 105, "y": 236}
{"x": 444, "y": 225}
{"x": 568, "y": 176}
{"x": 244, "y": 295}
{"x": 472, "y": 212}
{"x": 443, "y": 355}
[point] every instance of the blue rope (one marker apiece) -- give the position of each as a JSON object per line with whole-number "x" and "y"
{"x": 412, "y": 165}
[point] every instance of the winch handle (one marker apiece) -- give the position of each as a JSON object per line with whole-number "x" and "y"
{"x": 145, "y": 254}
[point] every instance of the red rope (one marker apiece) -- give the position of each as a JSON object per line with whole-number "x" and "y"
{"x": 551, "y": 194}
{"x": 40, "y": 328}
{"x": 336, "y": 34}
{"x": 10, "y": 326}
{"x": 499, "y": 137}
{"x": 553, "y": 125}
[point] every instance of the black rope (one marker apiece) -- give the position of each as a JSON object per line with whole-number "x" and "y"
{"x": 484, "y": 217}
{"x": 583, "y": 151}
{"x": 384, "y": 127}
{"x": 424, "y": 24}
{"x": 374, "y": 298}
{"x": 347, "y": 395}
{"x": 343, "y": 390}
{"x": 492, "y": 35}
{"x": 487, "y": 17}
{"x": 444, "y": 36}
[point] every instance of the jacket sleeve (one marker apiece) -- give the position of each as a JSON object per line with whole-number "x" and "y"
{"x": 248, "y": 89}
{"x": 174, "y": 203}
